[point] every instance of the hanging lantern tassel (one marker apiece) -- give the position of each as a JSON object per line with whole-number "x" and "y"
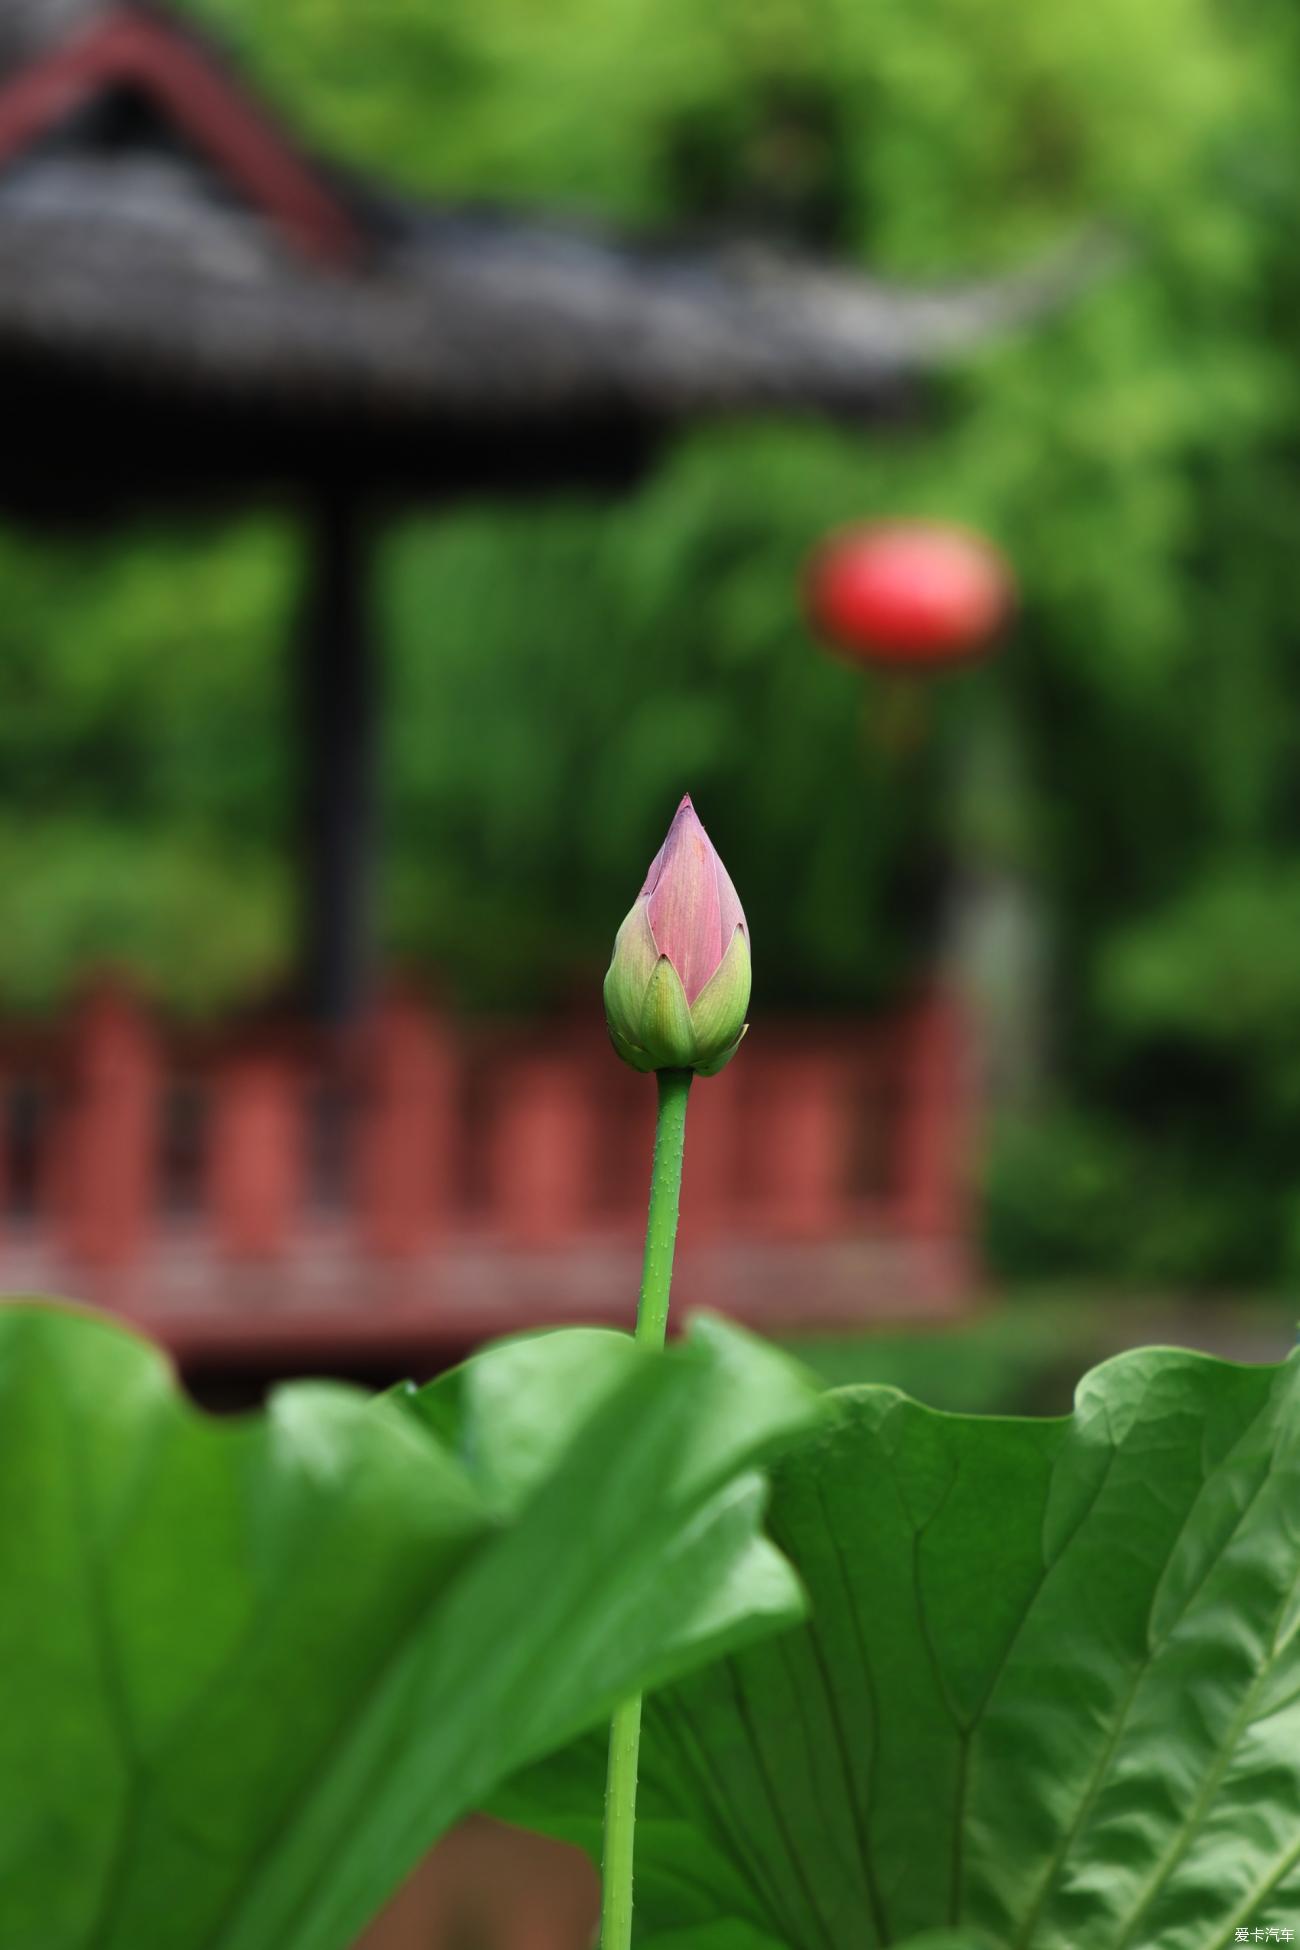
{"x": 896, "y": 716}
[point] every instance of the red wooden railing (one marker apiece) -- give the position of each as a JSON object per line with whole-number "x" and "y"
{"x": 422, "y": 1181}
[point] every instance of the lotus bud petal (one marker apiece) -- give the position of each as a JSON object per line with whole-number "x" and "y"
{"x": 678, "y": 984}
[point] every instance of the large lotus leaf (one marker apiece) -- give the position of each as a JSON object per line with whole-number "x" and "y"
{"x": 1048, "y": 1696}
{"x": 253, "y": 1667}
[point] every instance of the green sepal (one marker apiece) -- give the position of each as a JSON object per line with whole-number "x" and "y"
{"x": 721, "y": 1062}
{"x": 718, "y": 1011}
{"x": 639, "y": 1059}
{"x": 667, "y": 1032}
{"x": 628, "y": 977}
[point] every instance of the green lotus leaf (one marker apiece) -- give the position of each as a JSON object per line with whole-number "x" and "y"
{"x": 255, "y": 1666}
{"x": 1048, "y": 1696}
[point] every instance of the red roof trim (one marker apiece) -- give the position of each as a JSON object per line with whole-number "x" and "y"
{"x": 206, "y": 105}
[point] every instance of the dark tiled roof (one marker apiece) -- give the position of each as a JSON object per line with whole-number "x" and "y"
{"x": 143, "y": 259}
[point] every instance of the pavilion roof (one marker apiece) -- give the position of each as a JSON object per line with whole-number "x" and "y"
{"x": 158, "y": 229}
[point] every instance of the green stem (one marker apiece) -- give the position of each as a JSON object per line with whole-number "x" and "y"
{"x": 651, "y": 1327}
{"x": 665, "y": 1192}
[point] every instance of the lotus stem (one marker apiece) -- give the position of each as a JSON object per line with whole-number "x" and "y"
{"x": 651, "y": 1329}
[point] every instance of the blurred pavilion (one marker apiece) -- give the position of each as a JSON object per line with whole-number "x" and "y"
{"x": 195, "y": 312}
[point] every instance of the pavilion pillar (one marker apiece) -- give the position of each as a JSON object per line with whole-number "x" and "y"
{"x": 337, "y": 684}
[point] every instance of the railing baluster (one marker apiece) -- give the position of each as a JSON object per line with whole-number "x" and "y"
{"x": 540, "y": 1152}
{"x": 108, "y": 1193}
{"x": 255, "y": 1163}
{"x": 801, "y": 1122}
{"x": 933, "y": 1133}
{"x": 407, "y": 1135}
{"x": 710, "y": 1184}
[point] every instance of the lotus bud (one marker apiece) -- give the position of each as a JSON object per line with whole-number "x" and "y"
{"x": 678, "y": 984}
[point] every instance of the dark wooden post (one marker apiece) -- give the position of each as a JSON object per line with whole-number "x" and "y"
{"x": 336, "y": 695}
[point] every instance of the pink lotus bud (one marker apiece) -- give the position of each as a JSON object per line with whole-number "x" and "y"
{"x": 678, "y": 984}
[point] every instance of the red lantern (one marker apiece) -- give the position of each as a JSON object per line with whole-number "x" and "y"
{"x": 908, "y": 595}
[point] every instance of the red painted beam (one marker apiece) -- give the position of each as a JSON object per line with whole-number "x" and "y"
{"x": 207, "y": 106}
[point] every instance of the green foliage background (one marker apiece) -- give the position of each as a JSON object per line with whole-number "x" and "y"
{"x": 557, "y": 674}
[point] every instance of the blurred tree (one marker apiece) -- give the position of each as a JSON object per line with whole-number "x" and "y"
{"x": 145, "y": 816}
